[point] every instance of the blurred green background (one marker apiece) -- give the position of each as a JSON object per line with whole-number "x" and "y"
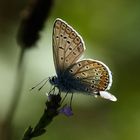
{"x": 111, "y": 31}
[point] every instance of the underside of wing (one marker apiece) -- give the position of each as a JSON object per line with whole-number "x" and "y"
{"x": 91, "y": 76}
{"x": 68, "y": 46}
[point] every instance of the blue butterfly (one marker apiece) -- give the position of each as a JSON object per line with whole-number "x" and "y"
{"x": 87, "y": 76}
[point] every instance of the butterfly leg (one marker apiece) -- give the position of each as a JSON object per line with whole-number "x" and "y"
{"x": 97, "y": 95}
{"x": 64, "y": 97}
{"x": 59, "y": 92}
{"x": 52, "y": 91}
{"x": 71, "y": 101}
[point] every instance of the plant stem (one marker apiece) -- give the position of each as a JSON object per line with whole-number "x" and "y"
{"x": 6, "y": 130}
{"x": 18, "y": 87}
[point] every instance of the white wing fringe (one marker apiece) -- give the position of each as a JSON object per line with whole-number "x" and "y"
{"x": 107, "y": 95}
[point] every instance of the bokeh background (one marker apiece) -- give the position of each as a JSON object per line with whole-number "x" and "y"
{"x": 111, "y": 31}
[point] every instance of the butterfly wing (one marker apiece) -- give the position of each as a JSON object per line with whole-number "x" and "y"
{"x": 68, "y": 46}
{"x": 92, "y": 77}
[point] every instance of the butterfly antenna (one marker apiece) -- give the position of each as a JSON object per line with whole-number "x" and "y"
{"x": 53, "y": 90}
{"x": 39, "y": 83}
{"x": 71, "y": 101}
{"x": 43, "y": 85}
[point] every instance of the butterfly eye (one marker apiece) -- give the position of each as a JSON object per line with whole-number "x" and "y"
{"x": 53, "y": 79}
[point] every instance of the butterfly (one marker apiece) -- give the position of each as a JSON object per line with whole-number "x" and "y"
{"x": 87, "y": 76}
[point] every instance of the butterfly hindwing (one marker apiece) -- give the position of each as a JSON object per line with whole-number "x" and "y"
{"x": 93, "y": 75}
{"x": 67, "y": 45}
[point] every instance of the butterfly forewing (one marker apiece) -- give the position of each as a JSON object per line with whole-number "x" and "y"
{"x": 93, "y": 75}
{"x": 67, "y": 46}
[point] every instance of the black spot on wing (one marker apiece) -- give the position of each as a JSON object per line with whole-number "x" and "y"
{"x": 61, "y": 48}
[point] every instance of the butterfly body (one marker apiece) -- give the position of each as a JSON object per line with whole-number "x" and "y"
{"x": 64, "y": 83}
{"x": 73, "y": 75}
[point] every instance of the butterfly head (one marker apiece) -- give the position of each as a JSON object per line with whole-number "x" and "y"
{"x": 54, "y": 80}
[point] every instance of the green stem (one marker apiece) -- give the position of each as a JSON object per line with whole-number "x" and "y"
{"x": 6, "y": 128}
{"x": 17, "y": 88}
